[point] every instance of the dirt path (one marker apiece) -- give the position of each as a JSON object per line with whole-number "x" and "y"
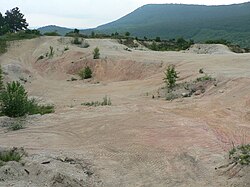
{"x": 138, "y": 141}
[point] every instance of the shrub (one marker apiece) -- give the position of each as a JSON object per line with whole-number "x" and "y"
{"x": 16, "y": 125}
{"x": 85, "y": 73}
{"x": 10, "y": 155}
{"x": 15, "y": 102}
{"x": 170, "y": 76}
{"x": 205, "y": 78}
{"x": 96, "y": 53}
{"x": 240, "y": 154}
{"x": 106, "y": 102}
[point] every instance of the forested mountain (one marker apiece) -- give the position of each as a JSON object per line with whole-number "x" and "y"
{"x": 197, "y": 22}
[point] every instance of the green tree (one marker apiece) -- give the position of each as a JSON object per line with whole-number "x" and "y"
{"x": 170, "y": 76}
{"x": 96, "y": 53}
{"x": 14, "y": 100}
{"x": 127, "y": 34}
{"x": 15, "y": 20}
{"x": 76, "y": 31}
{"x": 85, "y": 73}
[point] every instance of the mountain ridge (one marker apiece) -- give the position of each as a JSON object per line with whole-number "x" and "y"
{"x": 197, "y": 22}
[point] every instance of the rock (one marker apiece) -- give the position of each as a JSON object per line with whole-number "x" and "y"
{"x": 198, "y": 92}
{"x": 221, "y": 91}
{"x": 185, "y": 95}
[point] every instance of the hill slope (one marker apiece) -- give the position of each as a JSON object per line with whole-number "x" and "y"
{"x": 54, "y": 28}
{"x": 199, "y": 22}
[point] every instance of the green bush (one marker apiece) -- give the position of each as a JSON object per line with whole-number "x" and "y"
{"x": 170, "y": 76}
{"x": 15, "y": 102}
{"x": 96, "y": 53}
{"x": 240, "y": 154}
{"x": 85, "y": 73}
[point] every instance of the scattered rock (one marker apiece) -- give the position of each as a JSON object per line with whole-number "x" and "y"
{"x": 198, "y": 92}
{"x": 185, "y": 95}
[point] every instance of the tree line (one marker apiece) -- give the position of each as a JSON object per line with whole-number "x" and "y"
{"x": 13, "y": 21}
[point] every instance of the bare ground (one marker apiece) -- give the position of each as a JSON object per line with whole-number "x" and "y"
{"x": 138, "y": 141}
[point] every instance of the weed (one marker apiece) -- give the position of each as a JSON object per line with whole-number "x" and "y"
{"x": 106, "y": 102}
{"x": 205, "y": 78}
{"x": 10, "y": 155}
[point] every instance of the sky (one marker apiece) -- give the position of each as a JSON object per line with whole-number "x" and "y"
{"x": 86, "y": 13}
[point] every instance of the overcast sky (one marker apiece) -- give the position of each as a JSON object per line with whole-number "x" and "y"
{"x": 86, "y": 13}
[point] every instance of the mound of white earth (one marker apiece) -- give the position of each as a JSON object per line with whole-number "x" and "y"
{"x": 209, "y": 49}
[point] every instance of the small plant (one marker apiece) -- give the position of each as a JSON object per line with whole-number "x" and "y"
{"x": 17, "y": 124}
{"x": 240, "y": 154}
{"x": 201, "y": 71}
{"x": 15, "y": 102}
{"x": 85, "y": 73}
{"x": 10, "y": 155}
{"x": 170, "y": 76}
{"x": 106, "y": 102}
{"x": 51, "y": 52}
{"x": 96, "y": 53}
{"x": 205, "y": 78}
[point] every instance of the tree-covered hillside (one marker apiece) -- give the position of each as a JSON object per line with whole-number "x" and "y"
{"x": 198, "y": 22}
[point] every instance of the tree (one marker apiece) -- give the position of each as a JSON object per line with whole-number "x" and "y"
{"x": 76, "y": 31}
{"x": 14, "y": 100}
{"x": 4, "y": 28}
{"x": 85, "y": 73}
{"x": 96, "y": 53}
{"x": 127, "y": 34}
{"x": 170, "y": 76}
{"x": 15, "y": 20}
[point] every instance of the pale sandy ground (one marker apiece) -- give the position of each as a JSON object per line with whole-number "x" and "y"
{"x": 138, "y": 141}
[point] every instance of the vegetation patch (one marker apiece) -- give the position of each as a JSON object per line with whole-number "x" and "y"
{"x": 240, "y": 154}
{"x": 15, "y": 103}
{"x": 96, "y": 53}
{"x": 106, "y": 102}
{"x": 10, "y": 155}
{"x": 85, "y": 73}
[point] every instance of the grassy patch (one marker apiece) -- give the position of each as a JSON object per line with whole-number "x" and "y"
{"x": 10, "y": 155}
{"x": 205, "y": 78}
{"x": 106, "y": 102}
